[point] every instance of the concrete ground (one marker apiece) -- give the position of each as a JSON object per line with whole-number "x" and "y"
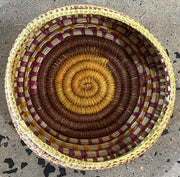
{"x": 162, "y": 160}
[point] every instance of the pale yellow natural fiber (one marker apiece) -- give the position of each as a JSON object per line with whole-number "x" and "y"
{"x": 40, "y": 146}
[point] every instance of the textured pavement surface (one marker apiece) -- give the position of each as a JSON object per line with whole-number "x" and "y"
{"x": 162, "y": 160}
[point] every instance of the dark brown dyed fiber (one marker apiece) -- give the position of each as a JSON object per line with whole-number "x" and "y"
{"x": 104, "y": 122}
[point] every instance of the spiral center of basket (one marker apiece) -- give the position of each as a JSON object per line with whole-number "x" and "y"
{"x": 84, "y": 84}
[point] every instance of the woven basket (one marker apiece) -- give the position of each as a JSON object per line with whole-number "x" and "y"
{"x": 88, "y": 88}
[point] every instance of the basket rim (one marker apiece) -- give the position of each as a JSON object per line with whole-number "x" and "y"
{"x": 20, "y": 126}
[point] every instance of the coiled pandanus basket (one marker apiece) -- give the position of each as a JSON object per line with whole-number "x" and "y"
{"x": 88, "y": 88}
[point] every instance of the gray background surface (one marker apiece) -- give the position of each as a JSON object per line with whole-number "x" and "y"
{"x": 162, "y": 18}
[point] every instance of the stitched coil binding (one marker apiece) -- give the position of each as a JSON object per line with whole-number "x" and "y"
{"x": 88, "y": 87}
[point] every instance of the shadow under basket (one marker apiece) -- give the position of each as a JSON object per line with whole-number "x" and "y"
{"x": 88, "y": 88}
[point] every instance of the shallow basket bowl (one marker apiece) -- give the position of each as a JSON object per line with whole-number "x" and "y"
{"x": 88, "y": 88}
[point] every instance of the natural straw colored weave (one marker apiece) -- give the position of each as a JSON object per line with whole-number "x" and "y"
{"x": 88, "y": 88}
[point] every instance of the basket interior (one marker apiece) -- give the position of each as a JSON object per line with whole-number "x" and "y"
{"x": 89, "y": 86}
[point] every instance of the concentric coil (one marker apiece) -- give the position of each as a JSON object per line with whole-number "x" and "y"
{"x": 89, "y": 86}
